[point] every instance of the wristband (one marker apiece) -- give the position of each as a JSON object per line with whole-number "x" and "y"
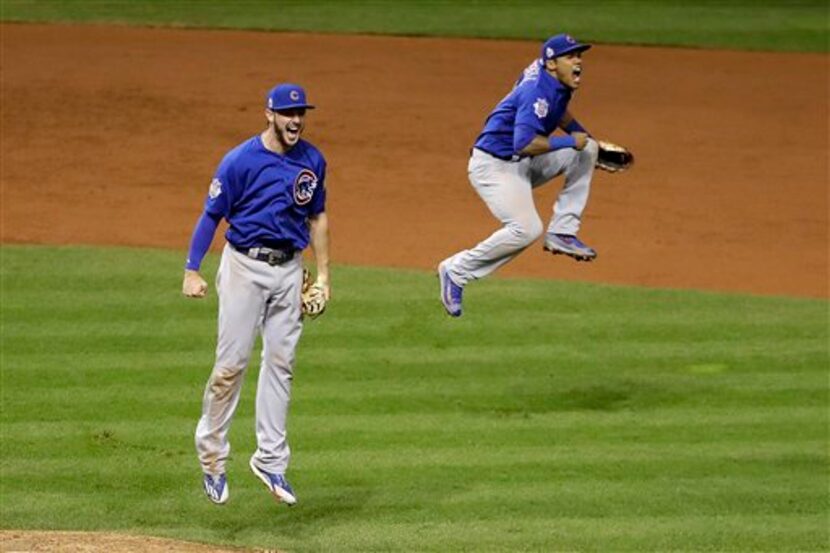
{"x": 560, "y": 142}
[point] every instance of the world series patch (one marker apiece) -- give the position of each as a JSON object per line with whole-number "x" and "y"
{"x": 304, "y": 186}
{"x": 215, "y": 189}
{"x": 540, "y": 108}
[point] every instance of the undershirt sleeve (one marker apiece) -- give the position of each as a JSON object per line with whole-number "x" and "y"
{"x": 202, "y": 237}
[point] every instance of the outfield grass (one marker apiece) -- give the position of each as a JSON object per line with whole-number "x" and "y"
{"x": 736, "y": 24}
{"x": 552, "y": 416}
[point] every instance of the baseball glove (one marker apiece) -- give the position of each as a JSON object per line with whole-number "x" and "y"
{"x": 313, "y": 297}
{"x": 613, "y": 157}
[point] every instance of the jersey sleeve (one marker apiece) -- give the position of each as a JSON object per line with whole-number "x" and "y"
{"x": 531, "y": 110}
{"x": 522, "y": 136}
{"x": 221, "y": 191}
{"x": 318, "y": 202}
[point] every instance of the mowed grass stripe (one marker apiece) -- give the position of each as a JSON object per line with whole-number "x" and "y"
{"x": 667, "y": 420}
{"x": 742, "y": 24}
{"x": 531, "y": 397}
{"x": 328, "y": 432}
{"x": 751, "y": 438}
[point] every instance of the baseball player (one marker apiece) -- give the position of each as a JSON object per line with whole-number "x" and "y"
{"x": 517, "y": 152}
{"x": 271, "y": 191}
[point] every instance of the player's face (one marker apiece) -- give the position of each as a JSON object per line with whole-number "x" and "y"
{"x": 568, "y": 69}
{"x": 288, "y": 125}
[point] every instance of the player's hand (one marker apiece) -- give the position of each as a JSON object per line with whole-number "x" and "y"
{"x": 314, "y": 296}
{"x": 194, "y": 286}
{"x": 581, "y": 139}
{"x": 322, "y": 282}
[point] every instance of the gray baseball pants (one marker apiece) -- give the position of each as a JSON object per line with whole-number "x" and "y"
{"x": 254, "y": 298}
{"x": 507, "y": 189}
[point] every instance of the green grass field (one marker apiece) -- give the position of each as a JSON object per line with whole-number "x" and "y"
{"x": 553, "y": 416}
{"x": 735, "y": 24}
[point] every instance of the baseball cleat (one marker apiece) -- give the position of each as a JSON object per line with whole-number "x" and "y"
{"x": 570, "y": 245}
{"x": 276, "y": 484}
{"x": 216, "y": 488}
{"x": 450, "y": 292}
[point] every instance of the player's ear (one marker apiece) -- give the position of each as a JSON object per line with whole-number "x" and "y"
{"x": 550, "y": 64}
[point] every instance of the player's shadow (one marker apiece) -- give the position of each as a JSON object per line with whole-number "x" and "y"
{"x": 322, "y": 510}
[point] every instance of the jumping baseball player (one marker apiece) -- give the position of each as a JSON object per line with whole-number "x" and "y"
{"x": 517, "y": 152}
{"x": 271, "y": 191}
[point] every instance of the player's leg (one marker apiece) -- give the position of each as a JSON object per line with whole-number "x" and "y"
{"x": 281, "y": 332}
{"x": 578, "y": 168}
{"x": 505, "y": 188}
{"x": 241, "y": 304}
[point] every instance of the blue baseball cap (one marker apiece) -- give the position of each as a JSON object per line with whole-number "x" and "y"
{"x": 560, "y": 45}
{"x": 287, "y": 96}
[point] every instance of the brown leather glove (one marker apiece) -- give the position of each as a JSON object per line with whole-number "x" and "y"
{"x": 613, "y": 157}
{"x": 313, "y": 297}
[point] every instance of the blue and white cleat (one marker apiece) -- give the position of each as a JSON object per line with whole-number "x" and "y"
{"x": 570, "y": 245}
{"x": 216, "y": 488}
{"x": 451, "y": 292}
{"x": 276, "y": 484}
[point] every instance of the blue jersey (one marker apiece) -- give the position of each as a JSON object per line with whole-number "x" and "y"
{"x": 534, "y": 106}
{"x": 268, "y": 197}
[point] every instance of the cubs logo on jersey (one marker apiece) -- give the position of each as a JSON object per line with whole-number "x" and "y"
{"x": 304, "y": 186}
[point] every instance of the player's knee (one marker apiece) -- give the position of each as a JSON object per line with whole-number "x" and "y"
{"x": 591, "y": 149}
{"x": 223, "y": 380}
{"x": 534, "y": 229}
{"x": 527, "y": 231}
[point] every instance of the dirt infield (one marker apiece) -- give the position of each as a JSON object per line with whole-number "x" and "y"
{"x": 110, "y": 136}
{"x": 13, "y": 541}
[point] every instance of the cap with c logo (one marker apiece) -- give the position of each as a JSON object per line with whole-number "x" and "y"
{"x": 560, "y": 45}
{"x": 287, "y": 96}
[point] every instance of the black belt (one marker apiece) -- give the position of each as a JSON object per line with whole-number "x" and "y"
{"x": 272, "y": 256}
{"x": 514, "y": 157}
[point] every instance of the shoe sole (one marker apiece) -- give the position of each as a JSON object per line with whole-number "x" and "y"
{"x": 574, "y": 255}
{"x": 279, "y": 494}
{"x": 441, "y": 273}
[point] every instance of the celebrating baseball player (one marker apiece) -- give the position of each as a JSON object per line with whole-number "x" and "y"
{"x": 516, "y": 152}
{"x": 270, "y": 189}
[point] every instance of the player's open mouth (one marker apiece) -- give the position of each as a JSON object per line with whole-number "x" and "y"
{"x": 292, "y": 132}
{"x": 576, "y": 73}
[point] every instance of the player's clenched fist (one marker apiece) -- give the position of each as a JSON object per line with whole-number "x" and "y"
{"x": 581, "y": 140}
{"x": 194, "y": 286}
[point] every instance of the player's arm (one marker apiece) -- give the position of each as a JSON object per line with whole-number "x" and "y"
{"x": 537, "y": 144}
{"x": 570, "y": 125}
{"x": 529, "y": 133}
{"x": 217, "y": 206}
{"x": 319, "y": 235}
{"x": 194, "y": 286}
